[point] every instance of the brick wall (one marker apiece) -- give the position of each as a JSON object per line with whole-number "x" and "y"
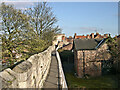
{"x": 90, "y": 61}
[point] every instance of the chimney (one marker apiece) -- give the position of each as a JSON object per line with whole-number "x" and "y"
{"x": 75, "y": 36}
{"x": 97, "y": 33}
{"x": 63, "y": 37}
{"x": 92, "y": 35}
{"x": 105, "y": 35}
{"x": 87, "y": 36}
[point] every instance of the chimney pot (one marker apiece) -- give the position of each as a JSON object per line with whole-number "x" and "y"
{"x": 92, "y": 35}
{"x": 97, "y": 33}
{"x": 105, "y": 35}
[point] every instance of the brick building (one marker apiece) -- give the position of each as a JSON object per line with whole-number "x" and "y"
{"x": 88, "y": 56}
{"x": 91, "y": 36}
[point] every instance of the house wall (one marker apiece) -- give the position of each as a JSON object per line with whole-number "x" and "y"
{"x": 90, "y": 61}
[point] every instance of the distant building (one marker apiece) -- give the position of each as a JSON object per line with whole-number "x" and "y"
{"x": 58, "y": 38}
{"x": 62, "y": 41}
{"x": 88, "y": 56}
{"x": 67, "y": 47}
{"x": 97, "y": 35}
{"x": 70, "y": 40}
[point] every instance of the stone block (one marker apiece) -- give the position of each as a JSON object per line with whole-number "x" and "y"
{"x": 34, "y": 71}
{"x": 38, "y": 79}
{"x": 5, "y": 84}
{"x": 22, "y": 77}
{"x": 15, "y": 84}
{"x": 11, "y": 72}
{"x": 23, "y": 67}
{"x": 22, "y": 85}
{"x": 31, "y": 58}
{"x": 21, "y": 74}
{"x": 30, "y": 81}
{"x": 29, "y": 73}
{"x": 6, "y": 76}
{"x": 40, "y": 84}
{"x": 35, "y": 60}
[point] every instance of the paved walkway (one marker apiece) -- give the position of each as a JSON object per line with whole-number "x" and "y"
{"x": 52, "y": 78}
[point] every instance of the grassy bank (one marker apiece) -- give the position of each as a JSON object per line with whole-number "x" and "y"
{"x": 107, "y": 81}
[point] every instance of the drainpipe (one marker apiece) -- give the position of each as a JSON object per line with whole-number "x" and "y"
{"x": 83, "y": 63}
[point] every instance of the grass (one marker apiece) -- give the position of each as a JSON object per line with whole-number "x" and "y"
{"x": 107, "y": 81}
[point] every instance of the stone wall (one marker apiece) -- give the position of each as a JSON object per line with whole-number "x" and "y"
{"x": 89, "y": 61}
{"x": 30, "y": 73}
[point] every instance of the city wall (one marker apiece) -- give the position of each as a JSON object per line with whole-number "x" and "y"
{"x": 30, "y": 73}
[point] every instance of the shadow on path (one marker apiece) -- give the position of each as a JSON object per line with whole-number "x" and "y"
{"x": 52, "y": 78}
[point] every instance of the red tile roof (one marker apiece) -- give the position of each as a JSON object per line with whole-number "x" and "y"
{"x": 76, "y": 37}
{"x": 90, "y": 36}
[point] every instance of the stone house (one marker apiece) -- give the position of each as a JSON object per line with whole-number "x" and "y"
{"x": 88, "y": 56}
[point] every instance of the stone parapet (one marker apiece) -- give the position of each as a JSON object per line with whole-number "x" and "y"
{"x": 30, "y": 73}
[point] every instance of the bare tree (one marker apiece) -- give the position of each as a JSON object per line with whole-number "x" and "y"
{"x": 42, "y": 21}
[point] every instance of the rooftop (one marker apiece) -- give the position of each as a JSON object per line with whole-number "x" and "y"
{"x": 88, "y": 44}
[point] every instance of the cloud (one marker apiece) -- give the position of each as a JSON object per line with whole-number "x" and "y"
{"x": 84, "y": 29}
{"x": 21, "y": 5}
{"x": 91, "y": 29}
{"x": 88, "y": 28}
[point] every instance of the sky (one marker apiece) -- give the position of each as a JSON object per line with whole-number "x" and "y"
{"x": 83, "y": 17}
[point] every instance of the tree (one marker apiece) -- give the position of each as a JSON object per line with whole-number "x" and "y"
{"x": 42, "y": 22}
{"x": 26, "y": 32}
{"x": 13, "y": 23}
{"x": 113, "y": 44}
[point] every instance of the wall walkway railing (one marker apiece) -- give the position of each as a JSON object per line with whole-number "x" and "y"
{"x": 61, "y": 73}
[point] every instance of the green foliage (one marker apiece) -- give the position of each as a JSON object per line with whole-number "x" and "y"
{"x": 26, "y": 32}
{"x": 13, "y": 23}
{"x": 113, "y": 47}
{"x": 115, "y": 51}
